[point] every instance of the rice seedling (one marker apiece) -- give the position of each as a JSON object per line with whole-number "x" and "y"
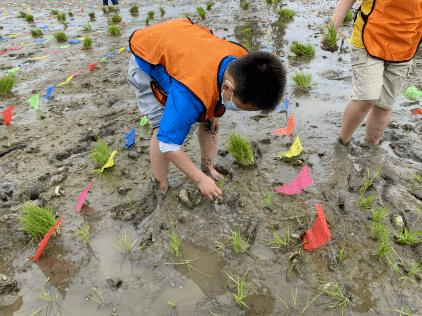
{"x": 172, "y": 303}
{"x": 220, "y": 182}
{"x": 285, "y": 15}
{"x": 96, "y": 295}
{"x": 244, "y": 4}
{"x": 210, "y": 5}
{"x": 303, "y": 81}
{"x": 417, "y": 178}
{"x": 379, "y": 214}
{"x": 61, "y": 17}
{"x": 87, "y": 26}
{"x": 36, "y": 32}
{"x": 91, "y": 16}
{"x": 365, "y": 202}
{"x": 126, "y": 247}
{"x": 29, "y": 18}
{"x": 238, "y": 242}
{"x": 6, "y": 84}
{"x": 36, "y": 220}
{"x": 106, "y": 9}
{"x": 415, "y": 269}
{"x": 302, "y": 51}
{"x": 201, "y": 12}
{"x": 162, "y": 11}
{"x": 150, "y": 17}
{"x": 116, "y": 18}
{"x": 83, "y": 232}
{"x": 329, "y": 41}
{"x": 60, "y": 36}
{"x": 114, "y": 30}
{"x": 54, "y": 12}
{"x": 100, "y": 152}
{"x": 268, "y": 199}
{"x": 279, "y": 241}
{"x": 341, "y": 254}
{"x": 409, "y": 237}
{"x": 384, "y": 248}
{"x": 51, "y": 300}
{"x": 369, "y": 180}
{"x": 134, "y": 10}
{"x": 174, "y": 245}
{"x": 70, "y": 14}
{"x": 243, "y": 288}
{"x": 241, "y": 149}
{"x": 333, "y": 291}
{"x": 86, "y": 42}
{"x": 378, "y": 230}
{"x": 349, "y": 16}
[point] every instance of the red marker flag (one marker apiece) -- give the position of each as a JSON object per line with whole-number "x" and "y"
{"x": 44, "y": 241}
{"x": 287, "y": 130}
{"x": 319, "y": 234}
{"x": 7, "y": 115}
{"x": 92, "y": 66}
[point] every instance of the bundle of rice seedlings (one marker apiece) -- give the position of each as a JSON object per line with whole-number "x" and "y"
{"x": 210, "y": 5}
{"x": 36, "y": 220}
{"x": 114, "y": 30}
{"x": 285, "y": 15}
{"x": 303, "y": 81}
{"x": 100, "y": 152}
{"x": 54, "y": 12}
{"x": 241, "y": 149}
{"x": 134, "y": 10}
{"x": 244, "y": 4}
{"x": 162, "y": 11}
{"x": 91, "y": 16}
{"x": 150, "y": 16}
{"x": 116, "y": 18}
{"x": 29, "y": 18}
{"x": 6, "y": 84}
{"x": 329, "y": 42}
{"x": 36, "y": 32}
{"x": 60, "y": 36}
{"x": 302, "y": 51}
{"x": 61, "y": 17}
{"x": 86, "y": 42}
{"x": 201, "y": 12}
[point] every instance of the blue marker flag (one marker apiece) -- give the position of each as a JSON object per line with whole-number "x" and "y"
{"x": 286, "y": 104}
{"x": 73, "y": 41}
{"x": 129, "y": 138}
{"x": 49, "y": 91}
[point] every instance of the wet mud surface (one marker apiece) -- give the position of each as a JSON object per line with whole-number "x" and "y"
{"x": 47, "y": 161}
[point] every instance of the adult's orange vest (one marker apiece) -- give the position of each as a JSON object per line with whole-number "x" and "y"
{"x": 190, "y": 53}
{"x": 393, "y": 29}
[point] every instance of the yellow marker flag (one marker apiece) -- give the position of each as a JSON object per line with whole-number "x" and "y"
{"x": 67, "y": 81}
{"x": 39, "y": 57}
{"x": 122, "y": 49}
{"x": 110, "y": 161}
{"x": 294, "y": 150}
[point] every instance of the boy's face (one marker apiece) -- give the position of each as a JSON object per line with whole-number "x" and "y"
{"x": 227, "y": 94}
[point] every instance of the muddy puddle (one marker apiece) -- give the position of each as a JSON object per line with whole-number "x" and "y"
{"x": 46, "y": 161}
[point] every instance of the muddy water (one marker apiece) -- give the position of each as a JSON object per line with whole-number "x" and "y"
{"x": 97, "y": 279}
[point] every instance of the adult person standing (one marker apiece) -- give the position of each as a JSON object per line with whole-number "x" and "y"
{"x": 386, "y": 36}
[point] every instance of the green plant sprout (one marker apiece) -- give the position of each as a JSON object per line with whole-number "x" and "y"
{"x": 150, "y": 17}
{"x": 36, "y": 220}
{"x": 201, "y": 12}
{"x": 329, "y": 41}
{"x": 220, "y": 182}
{"x": 303, "y": 81}
{"x": 83, "y": 232}
{"x": 415, "y": 269}
{"x": 36, "y": 32}
{"x": 302, "y": 51}
{"x": 243, "y": 288}
{"x": 349, "y": 16}
{"x": 244, "y": 4}
{"x": 238, "y": 242}
{"x": 417, "y": 178}
{"x": 369, "y": 180}
{"x": 134, "y": 10}
{"x": 51, "y": 300}
{"x": 60, "y": 36}
{"x": 29, "y": 18}
{"x": 210, "y": 5}
{"x": 241, "y": 149}
{"x": 116, "y": 18}
{"x": 384, "y": 248}
{"x": 279, "y": 241}
{"x": 341, "y": 254}
{"x": 268, "y": 199}
{"x": 91, "y": 16}
{"x": 114, "y": 30}
{"x": 285, "y": 15}
{"x": 333, "y": 291}
{"x": 125, "y": 244}
{"x": 174, "y": 245}
{"x": 378, "y": 229}
{"x": 172, "y": 303}
{"x": 86, "y": 42}
{"x": 61, "y": 17}
{"x": 365, "y": 202}
{"x": 6, "y": 84}
{"x": 100, "y": 152}
{"x": 96, "y": 295}
{"x": 87, "y": 26}
{"x": 162, "y": 11}
{"x": 407, "y": 237}
{"x": 54, "y": 12}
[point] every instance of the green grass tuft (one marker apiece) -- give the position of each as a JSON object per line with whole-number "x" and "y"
{"x": 244, "y": 4}
{"x": 329, "y": 42}
{"x": 279, "y": 241}
{"x": 134, "y": 10}
{"x": 36, "y": 32}
{"x": 241, "y": 149}
{"x": 303, "y": 81}
{"x": 407, "y": 237}
{"x": 114, "y": 30}
{"x": 6, "y": 84}
{"x": 60, "y": 36}
{"x": 116, "y": 18}
{"x": 174, "y": 245}
{"x": 29, "y": 18}
{"x": 268, "y": 199}
{"x": 100, "y": 152}
{"x": 36, "y": 220}
{"x": 238, "y": 242}
{"x": 210, "y": 5}
{"x": 285, "y": 15}
{"x": 201, "y": 12}
{"x": 86, "y": 42}
{"x": 83, "y": 232}
{"x": 302, "y": 51}
{"x": 365, "y": 202}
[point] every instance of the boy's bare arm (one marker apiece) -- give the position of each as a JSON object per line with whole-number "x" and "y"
{"x": 207, "y": 134}
{"x": 340, "y": 11}
{"x": 206, "y": 185}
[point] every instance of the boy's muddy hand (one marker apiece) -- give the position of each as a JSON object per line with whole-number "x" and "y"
{"x": 209, "y": 188}
{"x": 214, "y": 173}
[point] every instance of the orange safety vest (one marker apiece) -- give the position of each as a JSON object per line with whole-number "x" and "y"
{"x": 393, "y": 29}
{"x": 190, "y": 53}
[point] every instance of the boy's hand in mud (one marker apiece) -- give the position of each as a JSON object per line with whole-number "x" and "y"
{"x": 209, "y": 188}
{"x": 214, "y": 173}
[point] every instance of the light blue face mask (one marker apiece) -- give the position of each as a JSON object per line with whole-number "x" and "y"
{"x": 230, "y": 105}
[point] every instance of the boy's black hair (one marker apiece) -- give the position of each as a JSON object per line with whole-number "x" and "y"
{"x": 260, "y": 79}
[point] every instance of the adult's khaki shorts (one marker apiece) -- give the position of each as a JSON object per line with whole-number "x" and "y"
{"x": 377, "y": 80}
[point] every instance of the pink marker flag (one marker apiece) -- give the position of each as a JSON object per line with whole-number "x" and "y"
{"x": 302, "y": 181}
{"x": 81, "y": 198}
